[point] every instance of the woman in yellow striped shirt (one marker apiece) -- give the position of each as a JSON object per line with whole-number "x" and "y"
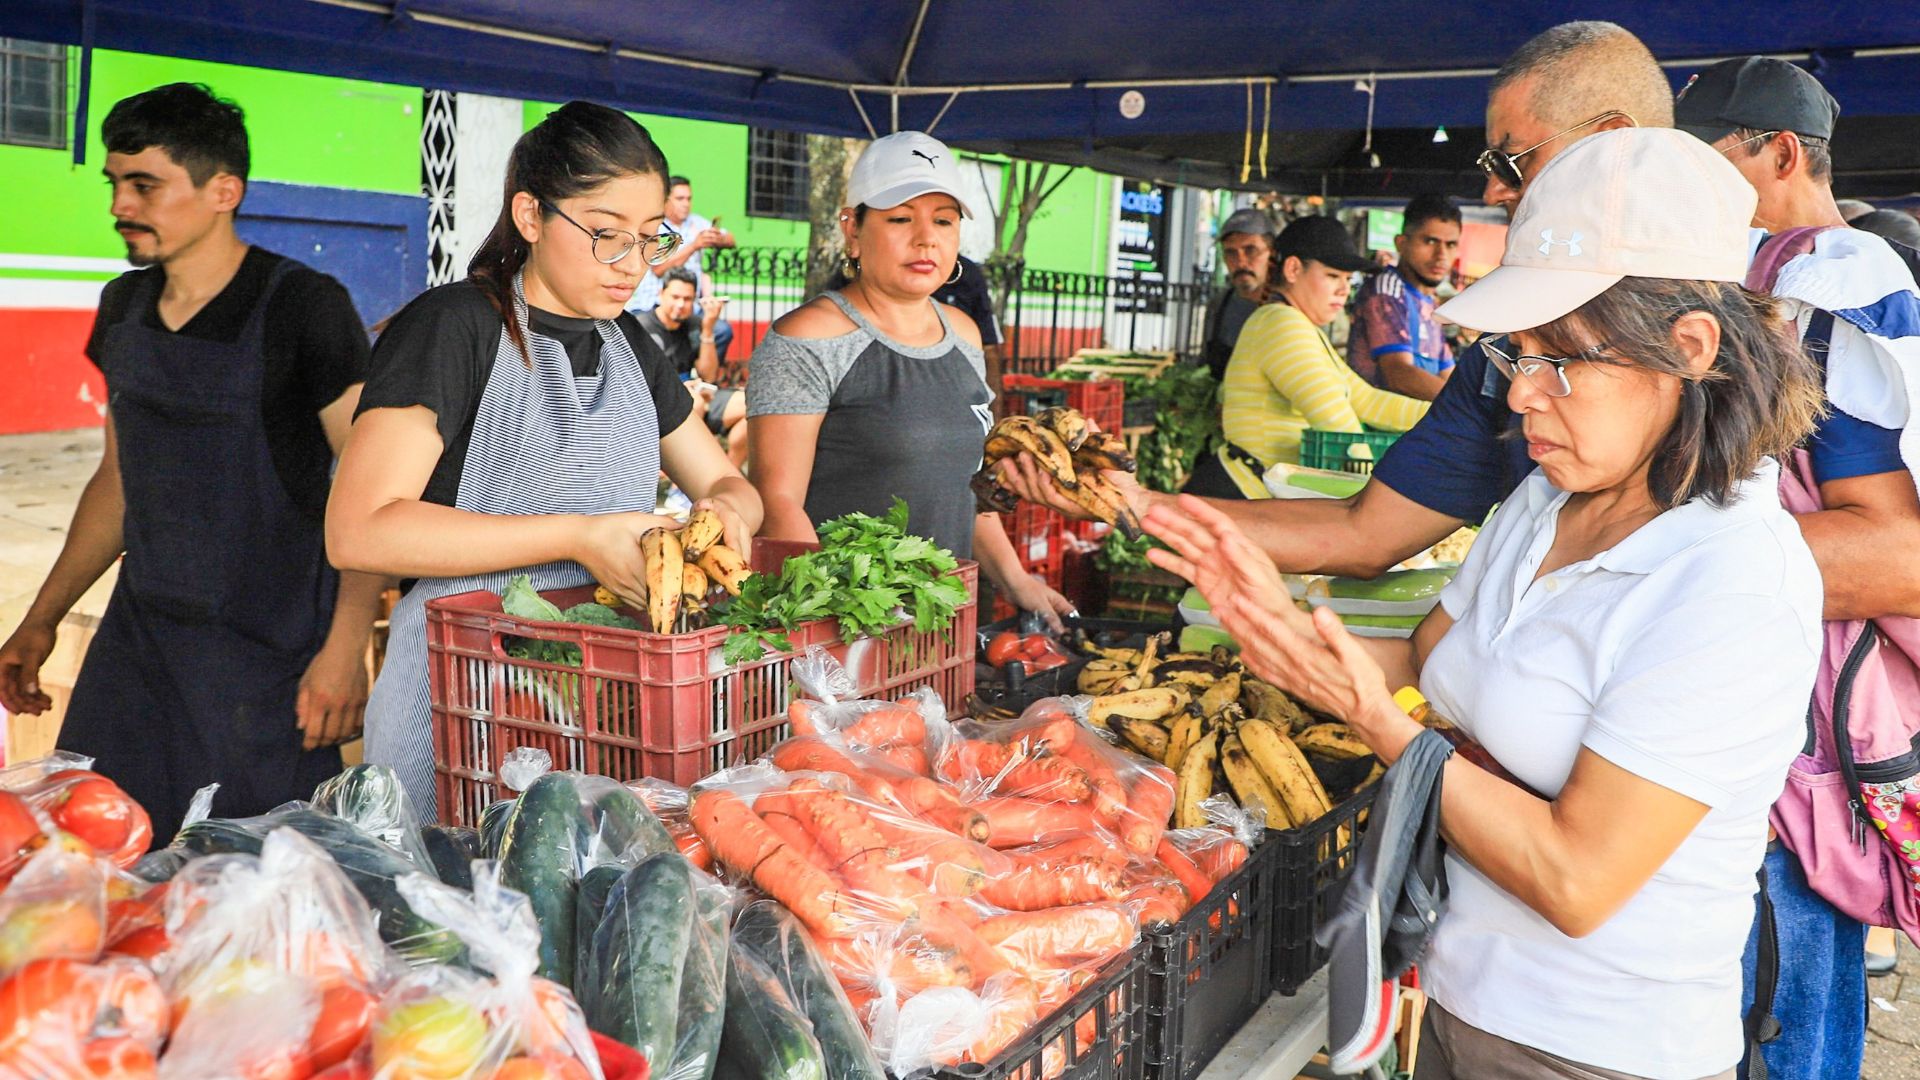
{"x": 1285, "y": 376}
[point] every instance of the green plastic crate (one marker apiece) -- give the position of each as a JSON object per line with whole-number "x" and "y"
{"x": 1328, "y": 449}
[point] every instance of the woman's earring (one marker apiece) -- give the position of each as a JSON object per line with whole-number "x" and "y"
{"x": 955, "y": 279}
{"x": 850, "y": 267}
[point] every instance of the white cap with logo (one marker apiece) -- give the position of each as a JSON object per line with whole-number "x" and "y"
{"x": 903, "y": 166}
{"x": 1636, "y": 202}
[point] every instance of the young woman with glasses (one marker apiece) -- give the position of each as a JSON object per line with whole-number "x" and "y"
{"x": 517, "y": 421}
{"x": 1634, "y": 636}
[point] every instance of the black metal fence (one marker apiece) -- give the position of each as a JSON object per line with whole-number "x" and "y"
{"x": 1048, "y": 315}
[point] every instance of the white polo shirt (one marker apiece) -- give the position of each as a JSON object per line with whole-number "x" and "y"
{"x": 1685, "y": 654}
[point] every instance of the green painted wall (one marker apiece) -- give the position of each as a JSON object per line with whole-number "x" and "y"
{"x": 305, "y": 129}
{"x": 1070, "y": 232}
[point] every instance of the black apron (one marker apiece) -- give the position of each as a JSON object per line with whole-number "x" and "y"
{"x": 225, "y": 594}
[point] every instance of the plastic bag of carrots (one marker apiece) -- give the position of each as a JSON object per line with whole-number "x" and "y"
{"x": 911, "y": 733}
{"x": 285, "y": 927}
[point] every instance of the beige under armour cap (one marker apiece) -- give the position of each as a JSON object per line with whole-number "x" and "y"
{"x": 1636, "y": 202}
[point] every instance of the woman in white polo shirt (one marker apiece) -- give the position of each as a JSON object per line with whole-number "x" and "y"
{"x": 1634, "y": 635}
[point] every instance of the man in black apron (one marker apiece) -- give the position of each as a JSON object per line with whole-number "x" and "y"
{"x": 230, "y": 651}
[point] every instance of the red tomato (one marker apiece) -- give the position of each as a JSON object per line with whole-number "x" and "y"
{"x": 346, "y": 1012}
{"x": 1035, "y": 645}
{"x": 1006, "y": 645}
{"x": 550, "y": 1016}
{"x": 43, "y": 998}
{"x": 142, "y": 944}
{"x": 118, "y": 1059}
{"x": 1046, "y": 661}
{"x": 20, "y": 832}
{"x": 354, "y": 1069}
{"x": 95, "y": 810}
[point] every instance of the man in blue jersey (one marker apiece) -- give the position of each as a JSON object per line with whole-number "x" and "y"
{"x": 1396, "y": 342}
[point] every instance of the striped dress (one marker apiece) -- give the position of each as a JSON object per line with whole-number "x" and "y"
{"x": 1285, "y": 377}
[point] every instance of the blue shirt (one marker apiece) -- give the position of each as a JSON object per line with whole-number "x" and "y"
{"x": 1467, "y": 454}
{"x": 1392, "y": 314}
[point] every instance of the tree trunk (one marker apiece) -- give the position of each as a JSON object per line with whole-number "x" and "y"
{"x": 829, "y": 163}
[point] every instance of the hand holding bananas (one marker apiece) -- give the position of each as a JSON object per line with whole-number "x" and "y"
{"x": 1057, "y": 459}
{"x": 681, "y": 569}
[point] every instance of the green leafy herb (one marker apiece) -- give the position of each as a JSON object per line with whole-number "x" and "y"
{"x": 868, "y": 574}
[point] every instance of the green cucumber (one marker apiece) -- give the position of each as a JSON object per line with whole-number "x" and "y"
{"x": 627, "y": 831}
{"x": 703, "y": 985}
{"x": 493, "y": 826}
{"x": 540, "y": 858}
{"x": 771, "y": 934}
{"x": 640, "y": 951}
{"x": 452, "y": 850}
{"x": 590, "y": 906}
{"x": 1396, "y": 586}
{"x": 767, "y": 1037}
{"x": 1385, "y": 622}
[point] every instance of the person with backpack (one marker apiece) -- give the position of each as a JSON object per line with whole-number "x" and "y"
{"x": 1848, "y": 850}
{"x": 1632, "y": 638}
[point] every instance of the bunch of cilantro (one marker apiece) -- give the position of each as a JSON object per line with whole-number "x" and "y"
{"x": 867, "y": 574}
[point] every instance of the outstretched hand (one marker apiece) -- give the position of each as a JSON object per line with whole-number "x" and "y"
{"x": 1208, "y": 549}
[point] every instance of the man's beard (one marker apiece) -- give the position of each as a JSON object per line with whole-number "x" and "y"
{"x": 1420, "y": 278}
{"x": 134, "y": 257}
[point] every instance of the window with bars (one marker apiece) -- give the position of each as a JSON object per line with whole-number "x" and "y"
{"x": 33, "y": 93}
{"x": 777, "y": 174}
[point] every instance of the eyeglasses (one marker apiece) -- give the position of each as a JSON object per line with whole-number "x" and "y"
{"x": 1534, "y": 368}
{"x": 1505, "y": 167}
{"x": 612, "y": 245}
{"x": 1752, "y": 138}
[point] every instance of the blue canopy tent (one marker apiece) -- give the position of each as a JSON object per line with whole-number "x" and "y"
{"x": 1146, "y": 87}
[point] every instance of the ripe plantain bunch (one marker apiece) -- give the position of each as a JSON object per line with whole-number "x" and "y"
{"x": 1072, "y": 453}
{"x": 1221, "y": 729}
{"x": 684, "y": 566}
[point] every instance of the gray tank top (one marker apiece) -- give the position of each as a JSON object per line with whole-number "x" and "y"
{"x": 899, "y": 420}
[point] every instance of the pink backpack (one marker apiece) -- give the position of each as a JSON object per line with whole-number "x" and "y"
{"x": 1851, "y": 809}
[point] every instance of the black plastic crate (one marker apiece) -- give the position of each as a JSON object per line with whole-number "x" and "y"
{"x": 1209, "y": 973}
{"x": 1116, "y": 1001}
{"x": 994, "y": 688}
{"x": 1308, "y": 866}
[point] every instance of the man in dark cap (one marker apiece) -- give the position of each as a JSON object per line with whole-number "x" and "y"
{"x": 1246, "y": 244}
{"x": 1775, "y": 123}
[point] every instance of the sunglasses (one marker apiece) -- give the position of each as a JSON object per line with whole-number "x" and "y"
{"x": 1505, "y": 167}
{"x": 612, "y": 245}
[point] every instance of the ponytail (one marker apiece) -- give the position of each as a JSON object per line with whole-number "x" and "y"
{"x": 578, "y": 147}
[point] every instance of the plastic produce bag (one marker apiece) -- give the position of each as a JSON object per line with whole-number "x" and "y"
{"x": 671, "y": 803}
{"x": 370, "y": 798}
{"x": 766, "y": 933}
{"x": 67, "y": 795}
{"x": 371, "y": 866}
{"x": 452, "y": 850}
{"x": 75, "y": 1021}
{"x": 911, "y": 733}
{"x": 499, "y": 1019}
{"x": 55, "y": 908}
{"x": 282, "y": 935}
{"x": 655, "y": 973}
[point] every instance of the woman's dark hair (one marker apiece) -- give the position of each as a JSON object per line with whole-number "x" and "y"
{"x": 201, "y": 133}
{"x": 1761, "y": 396}
{"x": 577, "y": 148}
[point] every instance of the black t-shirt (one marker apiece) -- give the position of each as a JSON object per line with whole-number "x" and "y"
{"x": 682, "y": 346}
{"x": 971, "y": 295}
{"x": 315, "y": 350}
{"x": 439, "y": 352}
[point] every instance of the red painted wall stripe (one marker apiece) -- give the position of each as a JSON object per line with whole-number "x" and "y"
{"x": 51, "y": 385}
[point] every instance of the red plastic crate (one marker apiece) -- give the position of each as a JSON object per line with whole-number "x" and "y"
{"x": 1038, "y": 535}
{"x": 1102, "y": 401}
{"x": 644, "y": 704}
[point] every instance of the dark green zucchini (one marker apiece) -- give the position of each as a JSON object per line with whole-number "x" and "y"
{"x": 590, "y": 906}
{"x": 452, "y": 850}
{"x": 493, "y": 826}
{"x": 767, "y": 1037}
{"x": 370, "y": 798}
{"x": 766, "y": 931}
{"x": 540, "y": 858}
{"x": 627, "y": 831}
{"x": 640, "y": 954}
{"x": 703, "y": 986}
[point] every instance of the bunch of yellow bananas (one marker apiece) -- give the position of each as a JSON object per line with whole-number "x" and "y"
{"x": 1219, "y": 728}
{"x": 1072, "y": 453}
{"x": 684, "y": 566}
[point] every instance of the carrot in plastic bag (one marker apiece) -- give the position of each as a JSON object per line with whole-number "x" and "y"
{"x": 1149, "y": 804}
{"x": 783, "y": 817}
{"x": 1049, "y": 778}
{"x": 907, "y": 756}
{"x": 974, "y": 763}
{"x": 945, "y": 863}
{"x": 741, "y": 840}
{"x": 1109, "y": 795}
{"x": 858, "y": 850}
{"x": 1015, "y": 1010}
{"x": 800, "y": 717}
{"x": 888, "y": 725}
{"x": 1036, "y": 888}
{"x": 1197, "y": 882}
{"x": 908, "y": 964}
{"x": 1059, "y": 935}
{"x": 944, "y": 925}
{"x": 1221, "y": 859}
{"x": 1017, "y": 822}
{"x": 1158, "y": 901}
